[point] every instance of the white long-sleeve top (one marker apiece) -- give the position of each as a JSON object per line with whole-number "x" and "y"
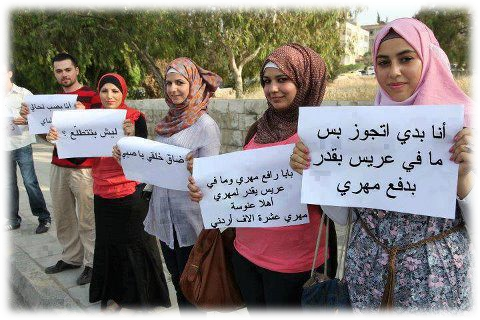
{"x": 172, "y": 210}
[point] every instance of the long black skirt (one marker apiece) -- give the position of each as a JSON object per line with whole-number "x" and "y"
{"x": 127, "y": 267}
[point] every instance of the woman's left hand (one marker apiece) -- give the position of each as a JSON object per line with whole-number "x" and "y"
{"x": 128, "y": 128}
{"x": 189, "y": 159}
{"x": 462, "y": 151}
{"x": 116, "y": 154}
{"x": 194, "y": 191}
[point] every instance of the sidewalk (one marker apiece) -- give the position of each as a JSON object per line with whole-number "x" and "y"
{"x": 31, "y": 253}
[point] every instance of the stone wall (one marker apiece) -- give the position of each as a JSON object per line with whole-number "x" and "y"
{"x": 233, "y": 116}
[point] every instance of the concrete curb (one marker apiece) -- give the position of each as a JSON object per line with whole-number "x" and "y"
{"x": 29, "y": 254}
{"x": 24, "y": 310}
{"x": 36, "y": 288}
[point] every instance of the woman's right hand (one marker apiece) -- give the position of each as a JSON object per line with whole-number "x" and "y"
{"x": 128, "y": 128}
{"x": 194, "y": 191}
{"x": 189, "y": 159}
{"x": 300, "y": 158}
{"x": 52, "y": 135}
{"x": 20, "y": 121}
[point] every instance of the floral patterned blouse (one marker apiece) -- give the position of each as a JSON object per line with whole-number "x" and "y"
{"x": 477, "y": 170}
{"x": 435, "y": 276}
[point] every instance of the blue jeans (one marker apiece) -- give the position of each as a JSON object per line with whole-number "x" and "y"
{"x": 24, "y": 158}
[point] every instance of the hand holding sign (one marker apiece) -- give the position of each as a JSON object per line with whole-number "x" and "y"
{"x": 41, "y": 108}
{"x": 128, "y": 128}
{"x": 88, "y": 133}
{"x": 300, "y": 159}
{"x": 79, "y": 106}
{"x": 194, "y": 191}
{"x": 52, "y": 135}
{"x": 462, "y": 151}
{"x": 153, "y": 162}
{"x": 24, "y": 111}
{"x": 251, "y": 188}
{"x": 116, "y": 154}
{"x": 190, "y": 162}
{"x": 19, "y": 121}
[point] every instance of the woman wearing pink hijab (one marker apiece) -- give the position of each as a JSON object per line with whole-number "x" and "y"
{"x": 431, "y": 272}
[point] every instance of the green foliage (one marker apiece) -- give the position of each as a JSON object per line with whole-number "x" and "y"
{"x": 231, "y": 36}
{"x": 452, "y": 28}
{"x": 137, "y": 93}
{"x": 350, "y": 67}
{"x": 101, "y": 41}
{"x": 134, "y": 43}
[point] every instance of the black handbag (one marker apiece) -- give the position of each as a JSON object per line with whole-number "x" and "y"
{"x": 320, "y": 291}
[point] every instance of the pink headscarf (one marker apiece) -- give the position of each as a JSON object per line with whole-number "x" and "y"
{"x": 436, "y": 85}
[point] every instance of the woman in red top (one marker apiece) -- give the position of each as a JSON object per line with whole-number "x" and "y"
{"x": 272, "y": 264}
{"x": 127, "y": 267}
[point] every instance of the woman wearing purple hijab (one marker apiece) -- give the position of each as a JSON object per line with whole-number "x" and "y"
{"x": 431, "y": 270}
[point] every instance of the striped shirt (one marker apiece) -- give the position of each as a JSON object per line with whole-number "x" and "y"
{"x": 172, "y": 210}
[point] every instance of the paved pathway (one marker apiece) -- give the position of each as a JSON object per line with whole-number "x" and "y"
{"x": 25, "y": 255}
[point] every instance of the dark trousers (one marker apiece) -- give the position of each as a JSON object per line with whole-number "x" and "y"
{"x": 24, "y": 158}
{"x": 176, "y": 260}
{"x": 262, "y": 288}
{"x": 266, "y": 289}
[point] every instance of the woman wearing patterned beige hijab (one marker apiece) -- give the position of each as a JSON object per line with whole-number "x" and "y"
{"x": 172, "y": 217}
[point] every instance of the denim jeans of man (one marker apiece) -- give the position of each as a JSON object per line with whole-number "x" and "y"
{"x": 23, "y": 157}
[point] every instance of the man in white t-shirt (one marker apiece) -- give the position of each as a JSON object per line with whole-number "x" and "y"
{"x": 19, "y": 152}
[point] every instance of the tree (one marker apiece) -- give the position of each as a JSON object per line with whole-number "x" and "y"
{"x": 233, "y": 43}
{"x": 141, "y": 32}
{"x": 366, "y": 60}
{"x": 452, "y": 28}
{"x": 122, "y": 41}
{"x": 245, "y": 37}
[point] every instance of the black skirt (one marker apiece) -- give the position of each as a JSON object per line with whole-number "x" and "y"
{"x": 127, "y": 267}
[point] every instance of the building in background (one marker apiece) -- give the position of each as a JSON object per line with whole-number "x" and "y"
{"x": 373, "y": 30}
{"x": 355, "y": 39}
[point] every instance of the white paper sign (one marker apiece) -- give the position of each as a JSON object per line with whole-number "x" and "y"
{"x": 155, "y": 163}
{"x": 384, "y": 157}
{"x": 88, "y": 133}
{"x": 13, "y": 129}
{"x": 41, "y": 109}
{"x": 252, "y": 188}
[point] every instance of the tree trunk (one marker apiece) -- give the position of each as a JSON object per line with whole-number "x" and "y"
{"x": 237, "y": 72}
{"x": 238, "y": 84}
{"x": 239, "y": 94}
{"x": 150, "y": 63}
